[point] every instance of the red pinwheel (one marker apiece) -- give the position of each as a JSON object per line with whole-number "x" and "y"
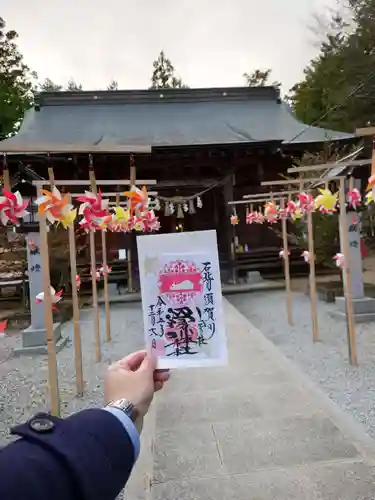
{"x": 12, "y": 207}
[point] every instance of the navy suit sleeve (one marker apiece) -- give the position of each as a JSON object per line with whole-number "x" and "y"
{"x": 87, "y": 456}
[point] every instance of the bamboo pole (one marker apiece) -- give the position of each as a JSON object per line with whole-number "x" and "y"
{"x": 106, "y": 295}
{"x": 95, "y": 305}
{"x": 6, "y": 177}
{"x": 352, "y": 345}
{"x": 53, "y": 380}
{"x": 133, "y": 173}
{"x": 312, "y": 276}
{"x": 75, "y": 300}
{"x": 288, "y": 290}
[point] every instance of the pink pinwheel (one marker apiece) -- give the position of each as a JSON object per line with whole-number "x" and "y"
{"x": 251, "y": 217}
{"x": 150, "y": 221}
{"x": 271, "y": 212}
{"x": 340, "y": 260}
{"x": 55, "y": 297}
{"x": 283, "y": 213}
{"x": 3, "y": 325}
{"x": 306, "y": 255}
{"x": 97, "y": 274}
{"x": 94, "y": 210}
{"x": 105, "y": 270}
{"x": 259, "y": 218}
{"x": 78, "y": 282}
{"x": 234, "y": 220}
{"x": 306, "y": 202}
{"x": 291, "y": 207}
{"x": 282, "y": 253}
{"x": 12, "y": 208}
{"x": 354, "y": 198}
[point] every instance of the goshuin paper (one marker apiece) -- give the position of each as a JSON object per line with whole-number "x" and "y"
{"x": 181, "y": 299}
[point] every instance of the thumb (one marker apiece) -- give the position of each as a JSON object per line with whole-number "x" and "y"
{"x": 149, "y": 363}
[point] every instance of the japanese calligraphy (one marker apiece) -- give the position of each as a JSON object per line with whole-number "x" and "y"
{"x": 182, "y": 306}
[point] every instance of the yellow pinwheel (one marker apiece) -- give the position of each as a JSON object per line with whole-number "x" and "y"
{"x": 326, "y": 201}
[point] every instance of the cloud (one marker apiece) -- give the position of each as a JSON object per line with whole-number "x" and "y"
{"x": 211, "y": 43}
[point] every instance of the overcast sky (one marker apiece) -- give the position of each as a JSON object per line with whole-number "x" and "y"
{"x": 210, "y": 42}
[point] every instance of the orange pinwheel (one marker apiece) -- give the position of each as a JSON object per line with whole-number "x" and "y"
{"x": 138, "y": 199}
{"x": 53, "y": 204}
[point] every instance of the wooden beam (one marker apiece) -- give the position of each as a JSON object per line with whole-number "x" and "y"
{"x": 44, "y": 148}
{"x": 111, "y": 194}
{"x": 303, "y": 180}
{"x": 326, "y": 166}
{"x": 103, "y": 182}
{"x": 260, "y": 195}
{"x": 366, "y": 131}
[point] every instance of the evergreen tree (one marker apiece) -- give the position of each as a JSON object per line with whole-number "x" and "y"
{"x": 163, "y": 75}
{"x": 16, "y": 83}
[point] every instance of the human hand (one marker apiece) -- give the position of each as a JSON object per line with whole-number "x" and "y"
{"x": 136, "y": 379}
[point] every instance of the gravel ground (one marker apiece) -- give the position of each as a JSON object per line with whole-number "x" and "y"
{"x": 23, "y": 380}
{"x": 326, "y": 362}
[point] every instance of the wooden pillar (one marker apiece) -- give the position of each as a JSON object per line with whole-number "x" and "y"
{"x": 228, "y": 192}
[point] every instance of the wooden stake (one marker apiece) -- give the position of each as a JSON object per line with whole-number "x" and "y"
{"x": 53, "y": 380}
{"x": 75, "y": 300}
{"x": 133, "y": 173}
{"x": 6, "y": 177}
{"x": 106, "y": 296}
{"x": 286, "y": 267}
{"x": 313, "y": 298}
{"x": 95, "y": 306}
{"x": 352, "y": 344}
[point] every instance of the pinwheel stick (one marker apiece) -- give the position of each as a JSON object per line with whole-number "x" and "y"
{"x": 77, "y": 329}
{"x": 352, "y": 344}
{"x": 133, "y": 174}
{"x": 53, "y": 382}
{"x": 98, "y": 351}
{"x": 288, "y": 290}
{"x": 6, "y": 178}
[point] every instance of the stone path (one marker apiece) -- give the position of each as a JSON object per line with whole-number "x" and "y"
{"x": 257, "y": 429}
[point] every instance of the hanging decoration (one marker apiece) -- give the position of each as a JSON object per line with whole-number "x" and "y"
{"x": 94, "y": 210}
{"x": 234, "y": 220}
{"x": 282, "y": 253}
{"x": 139, "y": 217}
{"x": 12, "y": 208}
{"x": 78, "y": 282}
{"x": 326, "y": 201}
{"x": 105, "y": 270}
{"x": 271, "y": 212}
{"x": 171, "y": 208}
{"x": 306, "y": 256}
{"x": 305, "y": 202}
{"x": 3, "y": 325}
{"x": 354, "y": 198}
{"x": 55, "y": 296}
{"x": 97, "y": 274}
{"x": 185, "y": 207}
{"x": 56, "y": 207}
{"x": 340, "y": 261}
{"x": 199, "y": 202}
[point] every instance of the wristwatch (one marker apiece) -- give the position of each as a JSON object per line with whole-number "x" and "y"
{"x": 126, "y": 406}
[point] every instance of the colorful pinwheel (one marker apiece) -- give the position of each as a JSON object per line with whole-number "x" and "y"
{"x": 306, "y": 255}
{"x": 56, "y": 207}
{"x": 94, "y": 210}
{"x": 306, "y": 202}
{"x": 3, "y": 325}
{"x": 326, "y": 201}
{"x": 105, "y": 270}
{"x": 354, "y": 198}
{"x": 340, "y": 260}
{"x": 78, "y": 282}
{"x": 55, "y": 296}
{"x": 282, "y": 253}
{"x": 12, "y": 208}
{"x": 138, "y": 200}
{"x": 234, "y": 220}
{"x": 271, "y": 213}
{"x": 150, "y": 221}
